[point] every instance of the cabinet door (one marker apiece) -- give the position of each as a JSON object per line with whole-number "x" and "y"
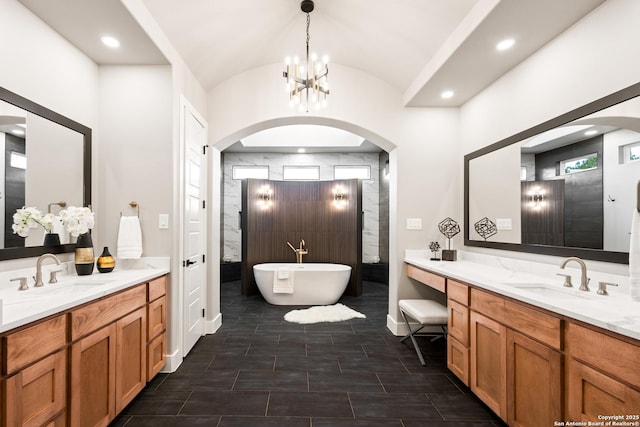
{"x": 131, "y": 357}
{"x": 37, "y": 393}
{"x": 458, "y": 359}
{"x": 156, "y": 317}
{"x": 488, "y": 362}
{"x": 533, "y": 382}
{"x": 458, "y": 326}
{"x": 156, "y": 355}
{"x": 93, "y": 379}
{"x": 591, "y": 393}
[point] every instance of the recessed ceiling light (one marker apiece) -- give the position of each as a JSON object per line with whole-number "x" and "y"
{"x": 301, "y": 150}
{"x": 590, "y": 132}
{"x": 110, "y": 41}
{"x": 505, "y": 44}
{"x": 446, "y": 94}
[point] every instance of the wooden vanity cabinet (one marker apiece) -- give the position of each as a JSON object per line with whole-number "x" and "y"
{"x": 108, "y": 366}
{"x": 156, "y": 326}
{"x": 603, "y": 375}
{"x": 516, "y": 363}
{"x": 34, "y": 361}
{"x": 458, "y": 330}
{"x": 488, "y": 362}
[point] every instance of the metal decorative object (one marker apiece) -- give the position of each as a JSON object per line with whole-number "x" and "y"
{"x": 485, "y": 228}
{"x": 449, "y": 228}
{"x": 434, "y": 247}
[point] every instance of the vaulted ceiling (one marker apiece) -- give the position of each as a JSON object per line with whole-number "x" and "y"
{"x": 419, "y": 47}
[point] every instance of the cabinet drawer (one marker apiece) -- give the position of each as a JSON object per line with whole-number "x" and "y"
{"x": 37, "y": 393}
{"x": 95, "y": 315}
{"x": 458, "y": 359}
{"x": 458, "y": 292}
{"x": 429, "y": 279}
{"x": 458, "y": 325}
{"x": 156, "y": 317}
{"x": 526, "y": 320}
{"x": 32, "y": 343}
{"x": 156, "y": 355}
{"x": 157, "y": 288}
{"x": 613, "y": 356}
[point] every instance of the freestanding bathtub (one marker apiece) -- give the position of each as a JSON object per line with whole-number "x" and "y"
{"x": 312, "y": 283}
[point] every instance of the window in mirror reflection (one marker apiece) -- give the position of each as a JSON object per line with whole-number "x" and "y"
{"x": 579, "y": 164}
{"x": 18, "y": 160}
{"x": 631, "y": 152}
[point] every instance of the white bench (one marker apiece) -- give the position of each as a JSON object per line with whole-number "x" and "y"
{"x": 426, "y": 313}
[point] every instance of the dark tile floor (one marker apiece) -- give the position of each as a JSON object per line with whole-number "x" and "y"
{"x": 259, "y": 370}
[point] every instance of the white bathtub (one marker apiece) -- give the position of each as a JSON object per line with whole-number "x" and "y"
{"x": 313, "y": 283}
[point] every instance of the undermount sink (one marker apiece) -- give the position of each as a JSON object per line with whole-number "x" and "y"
{"x": 545, "y": 290}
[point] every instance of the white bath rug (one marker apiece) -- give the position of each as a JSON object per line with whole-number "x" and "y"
{"x": 323, "y": 313}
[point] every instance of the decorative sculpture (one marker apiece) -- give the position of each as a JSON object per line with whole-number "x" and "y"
{"x": 434, "y": 247}
{"x": 485, "y": 228}
{"x": 449, "y": 228}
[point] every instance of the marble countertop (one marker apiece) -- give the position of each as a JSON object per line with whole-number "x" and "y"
{"x": 541, "y": 287}
{"x": 23, "y": 307}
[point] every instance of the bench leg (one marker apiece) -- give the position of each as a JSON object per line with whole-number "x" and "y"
{"x": 413, "y": 340}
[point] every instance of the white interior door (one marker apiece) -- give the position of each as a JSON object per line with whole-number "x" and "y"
{"x": 194, "y": 231}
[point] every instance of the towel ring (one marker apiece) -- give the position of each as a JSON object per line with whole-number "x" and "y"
{"x": 134, "y": 204}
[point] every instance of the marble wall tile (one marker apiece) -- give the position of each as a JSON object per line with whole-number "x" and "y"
{"x": 231, "y": 234}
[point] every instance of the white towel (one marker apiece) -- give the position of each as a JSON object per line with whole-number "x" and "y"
{"x": 129, "y": 238}
{"x": 634, "y": 257}
{"x": 283, "y": 281}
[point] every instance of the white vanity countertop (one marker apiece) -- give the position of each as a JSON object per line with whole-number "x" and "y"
{"x": 23, "y": 307}
{"x": 615, "y": 312}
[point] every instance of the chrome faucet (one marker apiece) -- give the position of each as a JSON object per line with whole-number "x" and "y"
{"x": 584, "y": 280}
{"x": 300, "y": 251}
{"x": 39, "y": 267}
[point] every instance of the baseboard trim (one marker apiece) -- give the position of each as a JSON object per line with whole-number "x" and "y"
{"x": 173, "y": 362}
{"x": 212, "y": 326}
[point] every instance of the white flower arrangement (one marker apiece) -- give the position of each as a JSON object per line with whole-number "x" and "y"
{"x": 77, "y": 220}
{"x": 27, "y": 218}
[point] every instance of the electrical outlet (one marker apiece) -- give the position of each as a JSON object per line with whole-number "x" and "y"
{"x": 414, "y": 223}
{"x": 503, "y": 223}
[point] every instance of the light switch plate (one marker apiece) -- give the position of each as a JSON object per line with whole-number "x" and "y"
{"x": 414, "y": 223}
{"x": 503, "y": 223}
{"x": 163, "y": 221}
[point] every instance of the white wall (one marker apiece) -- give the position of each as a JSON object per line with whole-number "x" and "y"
{"x": 136, "y": 153}
{"x": 620, "y": 183}
{"x": 40, "y": 65}
{"x": 423, "y": 146}
{"x": 595, "y": 57}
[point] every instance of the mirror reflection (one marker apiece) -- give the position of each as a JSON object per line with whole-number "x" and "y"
{"x": 573, "y": 186}
{"x": 42, "y": 166}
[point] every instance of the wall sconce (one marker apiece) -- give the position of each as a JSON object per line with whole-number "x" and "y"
{"x": 265, "y": 197}
{"x": 339, "y": 197}
{"x": 536, "y": 198}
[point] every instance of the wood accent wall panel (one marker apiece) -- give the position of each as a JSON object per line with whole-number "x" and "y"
{"x": 301, "y": 210}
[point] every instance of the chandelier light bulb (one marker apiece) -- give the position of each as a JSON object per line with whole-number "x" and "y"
{"x": 296, "y": 60}
{"x": 325, "y": 59}
{"x": 314, "y": 57}
{"x": 287, "y": 60}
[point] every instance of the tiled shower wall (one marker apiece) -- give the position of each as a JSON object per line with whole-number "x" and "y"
{"x": 231, "y": 238}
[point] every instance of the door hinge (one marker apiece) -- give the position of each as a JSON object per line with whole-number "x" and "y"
{"x": 203, "y": 313}
{"x": 203, "y": 256}
{"x": 204, "y": 204}
{"x": 204, "y": 149}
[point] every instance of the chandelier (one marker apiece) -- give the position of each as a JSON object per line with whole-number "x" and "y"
{"x": 307, "y": 82}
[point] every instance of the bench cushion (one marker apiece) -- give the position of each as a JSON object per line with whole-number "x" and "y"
{"x": 426, "y": 312}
